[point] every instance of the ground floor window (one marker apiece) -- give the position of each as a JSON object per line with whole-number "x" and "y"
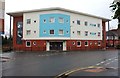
{"x": 99, "y": 43}
{"x": 28, "y": 43}
{"x": 73, "y": 43}
{"x": 78, "y": 43}
{"x": 86, "y": 43}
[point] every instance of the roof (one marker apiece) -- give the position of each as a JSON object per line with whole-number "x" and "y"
{"x": 20, "y": 13}
{"x": 115, "y": 32}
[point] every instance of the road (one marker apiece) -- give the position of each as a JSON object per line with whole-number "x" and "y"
{"x": 56, "y": 63}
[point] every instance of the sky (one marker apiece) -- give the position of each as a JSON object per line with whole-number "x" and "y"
{"x": 94, "y": 7}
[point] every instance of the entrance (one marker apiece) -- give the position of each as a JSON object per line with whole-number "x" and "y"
{"x": 56, "y": 45}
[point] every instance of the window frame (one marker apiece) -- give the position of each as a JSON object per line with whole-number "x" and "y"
{"x": 51, "y": 19}
{"x": 62, "y": 32}
{"x": 86, "y": 33}
{"x": 86, "y": 23}
{"x": 99, "y": 34}
{"x": 79, "y": 45}
{"x": 73, "y": 42}
{"x": 87, "y": 43}
{"x": 27, "y": 42}
{"x": 28, "y": 21}
{"x": 28, "y": 33}
{"x": 98, "y": 25}
{"x": 78, "y": 22}
{"x": 78, "y": 33}
{"x": 51, "y": 30}
{"x": 99, "y": 43}
{"x": 61, "y": 20}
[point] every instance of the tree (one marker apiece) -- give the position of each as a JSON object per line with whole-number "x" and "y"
{"x": 116, "y": 9}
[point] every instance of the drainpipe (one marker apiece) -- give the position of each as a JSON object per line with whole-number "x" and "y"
{"x": 108, "y": 32}
{"x": 10, "y": 34}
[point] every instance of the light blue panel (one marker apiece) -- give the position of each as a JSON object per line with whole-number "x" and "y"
{"x": 55, "y": 26}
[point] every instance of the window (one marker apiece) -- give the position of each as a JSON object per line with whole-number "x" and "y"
{"x": 28, "y": 43}
{"x": 86, "y": 33}
{"x": 34, "y": 21}
{"x": 73, "y": 21}
{"x": 34, "y": 31}
{"x": 61, "y": 20}
{"x": 34, "y": 43}
{"x": 44, "y": 31}
{"x": 28, "y": 21}
{"x": 78, "y": 32}
{"x": 99, "y": 43}
{"x": 19, "y": 32}
{"x": 51, "y": 32}
{"x": 28, "y": 32}
{"x": 73, "y": 43}
{"x": 52, "y": 20}
{"x": 78, "y": 43}
{"x": 86, "y": 23}
{"x": 78, "y": 22}
{"x": 98, "y": 25}
{"x": 60, "y": 32}
{"x": 73, "y": 32}
{"x": 98, "y": 33}
{"x": 90, "y": 43}
{"x": 44, "y": 20}
{"x": 86, "y": 43}
{"x": 67, "y": 21}
{"x": 67, "y": 32}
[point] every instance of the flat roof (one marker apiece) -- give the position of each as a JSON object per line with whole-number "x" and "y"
{"x": 20, "y": 13}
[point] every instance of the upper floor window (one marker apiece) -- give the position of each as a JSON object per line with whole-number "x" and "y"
{"x": 86, "y": 23}
{"x": 60, "y": 32}
{"x": 78, "y": 22}
{"x": 61, "y": 20}
{"x": 44, "y": 20}
{"x": 28, "y": 32}
{"x": 52, "y": 32}
{"x": 78, "y": 32}
{"x": 52, "y": 20}
{"x": 98, "y": 25}
{"x": 98, "y": 33}
{"x": 86, "y": 33}
{"x": 28, "y": 21}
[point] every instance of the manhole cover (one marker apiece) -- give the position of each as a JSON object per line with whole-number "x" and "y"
{"x": 98, "y": 69}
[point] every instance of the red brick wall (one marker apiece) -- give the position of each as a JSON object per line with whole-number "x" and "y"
{"x": 104, "y": 34}
{"x": 2, "y": 25}
{"x": 93, "y": 46}
{"x": 15, "y": 20}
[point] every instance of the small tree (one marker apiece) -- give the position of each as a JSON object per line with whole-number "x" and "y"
{"x": 116, "y": 9}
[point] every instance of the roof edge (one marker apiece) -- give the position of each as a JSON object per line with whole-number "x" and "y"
{"x": 56, "y": 8}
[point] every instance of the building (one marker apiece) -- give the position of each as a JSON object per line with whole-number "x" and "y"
{"x": 2, "y": 10}
{"x": 57, "y": 29}
{"x": 113, "y": 37}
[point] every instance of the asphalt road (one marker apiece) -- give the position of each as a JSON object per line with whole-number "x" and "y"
{"x": 55, "y": 63}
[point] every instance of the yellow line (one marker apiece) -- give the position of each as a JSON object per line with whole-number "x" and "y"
{"x": 74, "y": 70}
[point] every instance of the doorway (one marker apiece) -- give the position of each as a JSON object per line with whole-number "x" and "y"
{"x": 56, "y": 45}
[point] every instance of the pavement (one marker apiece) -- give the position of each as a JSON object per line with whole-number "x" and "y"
{"x": 57, "y": 63}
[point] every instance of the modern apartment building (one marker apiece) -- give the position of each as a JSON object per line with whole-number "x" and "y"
{"x": 57, "y": 29}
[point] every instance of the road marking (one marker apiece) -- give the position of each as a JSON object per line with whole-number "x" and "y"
{"x": 94, "y": 66}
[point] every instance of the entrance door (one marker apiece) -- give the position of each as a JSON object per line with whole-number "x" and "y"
{"x": 56, "y": 45}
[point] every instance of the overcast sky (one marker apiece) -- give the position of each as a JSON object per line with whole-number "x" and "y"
{"x": 94, "y": 7}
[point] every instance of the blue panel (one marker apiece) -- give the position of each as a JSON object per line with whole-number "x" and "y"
{"x": 56, "y": 26}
